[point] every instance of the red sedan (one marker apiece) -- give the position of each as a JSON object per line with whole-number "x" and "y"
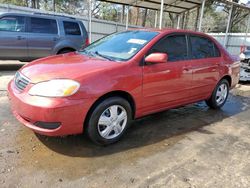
{"x": 119, "y": 78}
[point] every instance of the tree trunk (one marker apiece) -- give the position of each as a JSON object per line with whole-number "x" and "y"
{"x": 123, "y": 13}
{"x": 186, "y": 19}
{"x": 137, "y": 15}
{"x": 26, "y": 3}
{"x": 37, "y": 4}
{"x": 172, "y": 18}
{"x": 54, "y": 5}
{"x": 144, "y": 18}
{"x": 33, "y": 3}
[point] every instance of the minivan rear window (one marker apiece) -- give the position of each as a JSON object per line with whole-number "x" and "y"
{"x": 71, "y": 28}
{"x": 42, "y": 25}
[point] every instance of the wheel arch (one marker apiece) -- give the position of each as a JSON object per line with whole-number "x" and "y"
{"x": 118, "y": 93}
{"x": 228, "y": 78}
{"x": 65, "y": 48}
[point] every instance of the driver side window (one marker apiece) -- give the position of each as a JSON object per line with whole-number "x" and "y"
{"x": 175, "y": 46}
{"x": 12, "y": 23}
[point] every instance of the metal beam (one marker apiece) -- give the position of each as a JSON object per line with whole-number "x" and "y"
{"x": 156, "y": 18}
{"x": 191, "y": 2}
{"x": 247, "y": 30}
{"x": 150, "y": 8}
{"x": 127, "y": 18}
{"x": 90, "y": 21}
{"x": 178, "y": 21}
{"x": 228, "y": 25}
{"x": 201, "y": 14}
{"x": 161, "y": 14}
{"x": 166, "y": 4}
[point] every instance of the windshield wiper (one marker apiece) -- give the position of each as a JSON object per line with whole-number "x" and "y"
{"x": 103, "y": 56}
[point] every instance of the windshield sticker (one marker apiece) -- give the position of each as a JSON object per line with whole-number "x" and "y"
{"x": 132, "y": 50}
{"x": 137, "y": 41}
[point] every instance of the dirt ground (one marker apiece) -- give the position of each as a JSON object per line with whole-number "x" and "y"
{"x": 192, "y": 146}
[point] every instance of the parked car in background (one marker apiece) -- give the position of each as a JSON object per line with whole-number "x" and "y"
{"x": 245, "y": 65}
{"x": 31, "y": 36}
{"x": 121, "y": 77}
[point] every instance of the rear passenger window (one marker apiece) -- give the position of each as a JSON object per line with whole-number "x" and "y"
{"x": 12, "y": 23}
{"x": 203, "y": 48}
{"x": 71, "y": 28}
{"x": 42, "y": 25}
{"x": 174, "y": 46}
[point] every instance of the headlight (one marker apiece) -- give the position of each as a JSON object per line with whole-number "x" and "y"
{"x": 55, "y": 88}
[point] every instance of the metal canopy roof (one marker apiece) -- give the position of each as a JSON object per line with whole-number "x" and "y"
{"x": 178, "y": 7}
{"x": 172, "y": 6}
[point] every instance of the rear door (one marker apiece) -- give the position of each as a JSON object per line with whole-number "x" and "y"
{"x": 43, "y": 35}
{"x": 205, "y": 65}
{"x": 13, "y": 38}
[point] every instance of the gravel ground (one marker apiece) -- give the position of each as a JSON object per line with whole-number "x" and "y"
{"x": 192, "y": 146}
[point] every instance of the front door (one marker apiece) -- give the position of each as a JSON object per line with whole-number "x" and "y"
{"x": 13, "y": 38}
{"x": 168, "y": 84}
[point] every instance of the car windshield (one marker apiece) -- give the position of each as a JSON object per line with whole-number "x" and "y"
{"x": 120, "y": 46}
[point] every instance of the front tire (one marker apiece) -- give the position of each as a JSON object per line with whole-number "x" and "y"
{"x": 219, "y": 95}
{"x": 109, "y": 120}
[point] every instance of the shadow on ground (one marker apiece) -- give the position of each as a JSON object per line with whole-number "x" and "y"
{"x": 247, "y": 83}
{"x": 149, "y": 130}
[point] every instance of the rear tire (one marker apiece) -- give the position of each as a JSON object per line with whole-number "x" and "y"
{"x": 109, "y": 120}
{"x": 219, "y": 95}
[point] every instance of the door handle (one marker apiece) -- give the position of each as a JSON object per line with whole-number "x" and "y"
{"x": 20, "y": 38}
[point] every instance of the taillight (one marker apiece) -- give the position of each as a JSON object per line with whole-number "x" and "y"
{"x": 87, "y": 41}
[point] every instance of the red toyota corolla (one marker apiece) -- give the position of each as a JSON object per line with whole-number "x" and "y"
{"x": 119, "y": 78}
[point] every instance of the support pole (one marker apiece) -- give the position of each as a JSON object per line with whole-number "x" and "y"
{"x": 248, "y": 22}
{"x": 197, "y": 18}
{"x": 178, "y": 21}
{"x": 90, "y": 21}
{"x": 228, "y": 26}
{"x": 202, "y": 13}
{"x": 127, "y": 18}
{"x": 156, "y": 18}
{"x": 161, "y": 14}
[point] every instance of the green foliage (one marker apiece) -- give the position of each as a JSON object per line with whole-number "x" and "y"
{"x": 214, "y": 20}
{"x": 15, "y": 2}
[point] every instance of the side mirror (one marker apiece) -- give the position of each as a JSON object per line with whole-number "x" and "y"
{"x": 157, "y": 58}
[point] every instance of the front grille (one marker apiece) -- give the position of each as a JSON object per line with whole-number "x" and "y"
{"x": 21, "y": 81}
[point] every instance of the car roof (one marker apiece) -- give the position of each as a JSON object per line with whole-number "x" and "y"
{"x": 171, "y": 30}
{"x": 40, "y": 15}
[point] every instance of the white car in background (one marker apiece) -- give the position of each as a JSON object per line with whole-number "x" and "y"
{"x": 245, "y": 65}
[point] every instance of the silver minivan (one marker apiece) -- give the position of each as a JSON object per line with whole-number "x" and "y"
{"x": 27, "y": 37}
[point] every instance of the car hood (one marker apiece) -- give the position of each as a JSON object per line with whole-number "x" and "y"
{"x": 71, "y": 66}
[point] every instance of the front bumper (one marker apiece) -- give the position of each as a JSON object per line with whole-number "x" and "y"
{"x": 31, "y": 110}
